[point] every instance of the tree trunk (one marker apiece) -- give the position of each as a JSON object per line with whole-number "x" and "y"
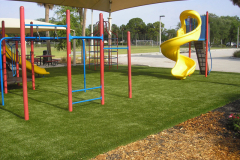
{"x": 83, "y": 31}
{"x": 136, "y": 38}
{"x": 80, "y": 12}
{"x": 47, "y": 33}
{"x": 122, "y": 37}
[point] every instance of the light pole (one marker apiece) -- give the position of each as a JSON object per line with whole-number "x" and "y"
{"x": 238, "y": 37}
{"x": 160, "y": 33}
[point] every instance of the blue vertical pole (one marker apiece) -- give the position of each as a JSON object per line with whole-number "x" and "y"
{"x": 84, "y": 63}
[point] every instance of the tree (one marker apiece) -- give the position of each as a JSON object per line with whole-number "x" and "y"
{"x": 178, "y": 26}
{"x": 150, "y": 30}
{"x": 78, "y": 23}
{"x": 122, "y": 28}
{"x": 115, "y": 31}
{"x": 80, "y": 12}
{"x": 233, "y": 32}
{"x": 236, "y": 2}
{"x": 83, "y": 14}
{"x": 47, "y": 8}
{"x": 171, "y": 33}
{"x": 115, "y": 28}
{"x": 156, "y": 31}
{"x": 215, "y": 25}
{"x": 74, "y": 23}
{"x": 222, "y": 29}
{"x": 135, "y": 26}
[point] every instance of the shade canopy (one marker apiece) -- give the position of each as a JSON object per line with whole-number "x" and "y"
{"x": 102, "y": 5}
{"x": 12, "y": 25}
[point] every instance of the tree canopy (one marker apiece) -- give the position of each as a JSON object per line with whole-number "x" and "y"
{"x": 236, "y": 2}
{"x": 222, "y": 28}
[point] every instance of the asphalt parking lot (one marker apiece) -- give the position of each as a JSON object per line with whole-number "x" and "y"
{"x": 222, "y": 60}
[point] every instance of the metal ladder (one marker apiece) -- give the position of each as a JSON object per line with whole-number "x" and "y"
{"x": 201, "y": 55}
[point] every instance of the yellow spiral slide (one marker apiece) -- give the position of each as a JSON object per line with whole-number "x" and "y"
{"x": 171, "y": 48}
{"x": 37, "y": 69}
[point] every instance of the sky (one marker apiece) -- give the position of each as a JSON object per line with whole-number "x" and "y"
{"x": 148, "y": 13}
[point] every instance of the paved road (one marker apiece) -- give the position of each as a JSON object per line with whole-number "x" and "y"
{"x": 222, "y": 60}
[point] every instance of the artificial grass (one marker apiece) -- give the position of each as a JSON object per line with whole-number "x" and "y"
{"x": 159, "y": 101}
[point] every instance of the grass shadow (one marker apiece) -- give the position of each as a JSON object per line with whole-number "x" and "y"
{"x": 4, "y": 109}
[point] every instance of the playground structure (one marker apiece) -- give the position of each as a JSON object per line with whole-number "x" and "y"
{"x": 68, "y": 37}
{"x": 109, "y": 43}
{"x": 15, "y": 57}
{"x": 185, "y": 66}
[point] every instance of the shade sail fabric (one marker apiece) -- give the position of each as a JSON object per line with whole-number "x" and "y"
{"x": 12, "y": 25}
{"x": 102, "y": 5}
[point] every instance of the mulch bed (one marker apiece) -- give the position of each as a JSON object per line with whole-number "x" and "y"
{"x": 205, "y": 137}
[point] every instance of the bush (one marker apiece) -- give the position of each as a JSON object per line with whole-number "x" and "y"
{"x": 236, "y": 54}
{"x": 234, "y": 122}
{"x": 63, "y": 60}
{"x": 78, "y": 61}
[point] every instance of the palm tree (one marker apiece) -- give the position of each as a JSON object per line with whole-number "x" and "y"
{"x": 236, "y": 2}
{"x": 47, "y": 8}
{"x": 80, "y": 12}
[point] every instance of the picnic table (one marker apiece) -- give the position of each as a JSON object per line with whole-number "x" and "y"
{"x": 28, "y": 57}
{"x": 52, "y": 61}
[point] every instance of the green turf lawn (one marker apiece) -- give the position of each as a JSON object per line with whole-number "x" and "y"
{"x": 159, "y": 101}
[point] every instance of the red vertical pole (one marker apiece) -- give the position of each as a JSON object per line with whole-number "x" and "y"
{"x": 69, "y": 72}
{"x": 24, "y": 71}
{"x": 4, "y": 59}
{"x": 32, "y": 59}
{"x": 101, "y": 58}
{"x": 17, "y": 60}
{"x": 206, "y": 60}
{"x": 129, "y": 66}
